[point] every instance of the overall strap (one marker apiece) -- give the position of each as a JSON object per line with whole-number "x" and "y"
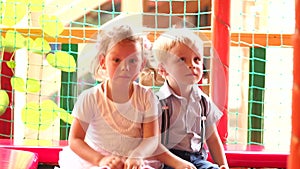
{"x": 204, "y": 108}
{"x": 166, "y": 106}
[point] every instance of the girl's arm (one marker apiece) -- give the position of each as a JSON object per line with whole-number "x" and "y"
{"x": 77, "y": 144}
{"x": 216, "y": 148}
{"x": 150, "y": 140}
{"x": 150, "y": 128}
{"x": 147, "y": 146}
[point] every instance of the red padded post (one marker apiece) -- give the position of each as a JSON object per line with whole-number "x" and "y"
{"x": 221, "y": 44}
{"x": 294, "y": 157}
{"x": 6, "y": 121}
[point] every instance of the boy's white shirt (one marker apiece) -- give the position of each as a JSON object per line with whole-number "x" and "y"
{"x": 185, "y": 126}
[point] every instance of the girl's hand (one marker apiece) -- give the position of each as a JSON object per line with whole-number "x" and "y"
{"x": 113, "y": 162}
{"x": 185, "y": 165}
{"x": 133, "y": 163}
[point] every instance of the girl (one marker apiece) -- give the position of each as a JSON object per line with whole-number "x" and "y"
{"x": 115, "y": 122}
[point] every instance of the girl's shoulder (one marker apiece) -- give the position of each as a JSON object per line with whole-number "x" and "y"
{"x": 144, "y": 93}
{"x": 92, "y": 89}
{"x": 92, "y": 92}
{"x": 141, "y": 89}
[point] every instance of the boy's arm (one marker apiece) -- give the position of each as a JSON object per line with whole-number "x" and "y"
{"x": 216, "y": 148}
{"x": 165, "y": 156}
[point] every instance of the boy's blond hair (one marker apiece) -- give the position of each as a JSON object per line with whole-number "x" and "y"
{"x": 166, "y": 41}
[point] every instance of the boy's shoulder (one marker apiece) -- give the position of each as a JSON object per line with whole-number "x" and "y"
{"x": 164, "y": 92}
{"x": 197, "y": 91}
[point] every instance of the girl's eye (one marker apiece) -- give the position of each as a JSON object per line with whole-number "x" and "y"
{"x": 182, "y": 59}
{"x": 117, "y": 60}
{"x": 132, "y": 60}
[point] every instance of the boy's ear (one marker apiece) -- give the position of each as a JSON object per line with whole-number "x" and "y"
{"x": 161, "y": 70}
{"x": 102, "y": 61}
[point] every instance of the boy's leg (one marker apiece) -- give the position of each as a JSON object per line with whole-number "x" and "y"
{"x": 167, "y": 167}
{"x": 182, "y": 154}
{"x": 201, "y": 163}
{"x": 198, "y": 159}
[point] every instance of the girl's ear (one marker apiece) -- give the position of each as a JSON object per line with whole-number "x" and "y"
{"x": 102, "y": 61}
{"x": 144, "y": 64}
{"x": 161, "y": 70}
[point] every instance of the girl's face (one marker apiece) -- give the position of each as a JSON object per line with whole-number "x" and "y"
{"x": 123, "y": 62}
{"x": 184, "y": 65}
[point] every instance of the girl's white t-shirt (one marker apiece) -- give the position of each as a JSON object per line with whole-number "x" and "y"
{"x": 114, "y": 127}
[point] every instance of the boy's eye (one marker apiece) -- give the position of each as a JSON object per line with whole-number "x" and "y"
{"x": 197, "y": 59}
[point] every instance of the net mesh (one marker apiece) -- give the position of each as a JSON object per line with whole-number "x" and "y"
{"x": 44, "y": 62}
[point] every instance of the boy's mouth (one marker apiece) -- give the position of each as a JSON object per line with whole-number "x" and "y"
{"x": 192, "y": 73}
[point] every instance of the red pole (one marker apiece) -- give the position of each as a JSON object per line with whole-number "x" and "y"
{"x": 221, "y": 44}
{"x": 293, "y": 162}
{"x": 6, "y": 122}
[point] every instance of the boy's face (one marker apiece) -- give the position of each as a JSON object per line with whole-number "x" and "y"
{"x": 184, "y": 65}
{"x": 124, "y": 61}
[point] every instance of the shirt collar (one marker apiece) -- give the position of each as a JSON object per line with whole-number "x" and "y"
{"x": 167, "y": 92}
{"x": 196, "y": 93}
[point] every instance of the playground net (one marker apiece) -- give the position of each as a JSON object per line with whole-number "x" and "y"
{"x": 44, "y": 63}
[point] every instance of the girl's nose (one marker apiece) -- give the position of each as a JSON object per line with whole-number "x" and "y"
{"x": 124, "y": 66}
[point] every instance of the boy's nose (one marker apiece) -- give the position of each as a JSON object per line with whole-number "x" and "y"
{"x": 191, "y": 65}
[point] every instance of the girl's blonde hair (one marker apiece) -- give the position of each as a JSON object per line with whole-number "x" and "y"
{"x": 166, "y": 41}
{"x": 106, "y": 39}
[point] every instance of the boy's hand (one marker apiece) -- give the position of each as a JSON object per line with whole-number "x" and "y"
{"x": 224, "y": 167}
{"x": 133, "y": 163}
{"x": 113, "y": 162}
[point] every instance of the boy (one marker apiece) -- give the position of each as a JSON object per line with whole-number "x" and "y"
{"x": 190, "y": 116}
